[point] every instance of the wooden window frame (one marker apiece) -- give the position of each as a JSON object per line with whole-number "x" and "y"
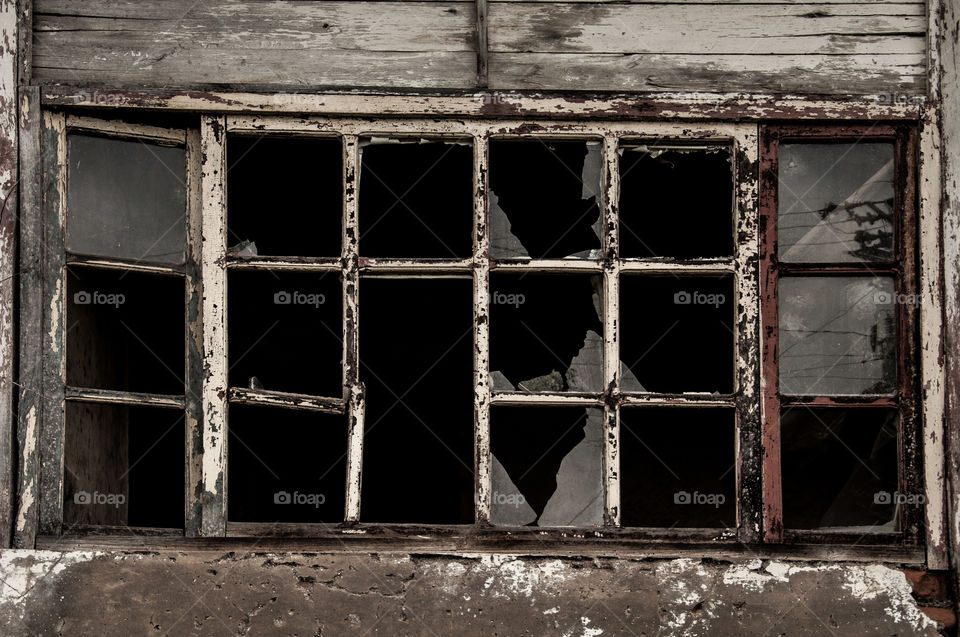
{"x": 902, "y": 269}
{"x": 205, "y": 519}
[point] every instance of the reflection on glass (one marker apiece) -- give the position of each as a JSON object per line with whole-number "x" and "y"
{"x": 838, "y": 335}
{"x": 840, "y": 469}
{"x": 836, "y": 202}
{"x": 126, "y": 199}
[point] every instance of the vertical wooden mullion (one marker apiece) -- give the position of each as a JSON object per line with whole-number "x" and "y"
{"x": 481, "y": 323}
{"x": 353, "y": 390}
{"x": 54, "y": 330}
{"x": 214, "y": 384}
{"x": 610, "y": 172}
{"x": 747, "y": 337}
{"x": 769, "y": 340}
{"x": 193, "y": 385}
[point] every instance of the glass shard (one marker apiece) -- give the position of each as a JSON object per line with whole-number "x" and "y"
{"x": 545, "y": 199}
{"x": 126, "y": 199}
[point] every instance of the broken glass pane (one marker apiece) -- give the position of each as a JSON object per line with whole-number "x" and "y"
{"x": 840, "y": 469}
{"x": 416, "y": 198}
{"x": 676, "y": 202}
{"x": 125, "y": 199}
{"x": 286, "y": 466}
{"x": 286, "y": 331}
{"x": 680, "y": 336}
{"x": 678, "y": 467}
{"x": 547, "y": 466}
{"x": 838, "y": 335}
{"x": 125, "y": 331}
{"x": 123, "y": 465}
{"x": 836, "y": 202}
{"x": 284, "y": 195}
{"x": 545, "y": 199}
{"x": 546, "y": 333}
{"x": 416, "y": 361}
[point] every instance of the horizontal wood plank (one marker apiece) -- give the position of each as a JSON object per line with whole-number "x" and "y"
{"x": 802, "y": 74}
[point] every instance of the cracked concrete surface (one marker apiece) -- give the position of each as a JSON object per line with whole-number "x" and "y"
{"x": 198, "y": 593}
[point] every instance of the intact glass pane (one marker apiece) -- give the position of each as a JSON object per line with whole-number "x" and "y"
{"x": 126, "y": 199}
{"x": 838, "y": 335}
{"x": 836, "y": 202}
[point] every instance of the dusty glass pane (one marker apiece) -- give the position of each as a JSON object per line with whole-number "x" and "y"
{"x": 416, "y": 199}
{"x": 677, "y": 467}
{"x": 286, "y": 466}
{"x": 125, "y": 331}
{"x": 545, "y": 199}
{"x": 286, "y": 331}
{"x": 284, "y": 196}
{"x": 547, "y": 466}
{"x": 125, "y": 199}
{"x": 416, "y": 362}
{"x": 677, "y": 334}
{"x": 545, "y": 333}
{"x": 840, "y": 469}
{"x": 838, "y": 335}
{"x": 836, "y": 202}
{"x": 676, "y": 202}
{"x": 124, "y": 465}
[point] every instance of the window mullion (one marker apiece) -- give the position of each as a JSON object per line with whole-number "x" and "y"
{"x": 353, "y": 389}
{"x": 194, "y": 354}
{"x": 611, "y": 318}
{"x": 214, "y": 252}
{"x": 481, "y": 324}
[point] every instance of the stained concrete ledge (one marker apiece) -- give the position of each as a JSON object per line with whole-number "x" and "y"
{"x": 85, "y": 593}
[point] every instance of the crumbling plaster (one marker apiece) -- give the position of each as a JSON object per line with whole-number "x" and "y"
{"x": 250, "y": 593}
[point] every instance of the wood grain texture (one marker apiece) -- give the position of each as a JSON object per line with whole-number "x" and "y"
{"x": 816, "y": 47}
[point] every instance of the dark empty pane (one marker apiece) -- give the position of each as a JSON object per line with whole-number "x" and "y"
{"x": 547, "y": 466}
{"x": 836, "y": 202}
{"x": 123, "y": 466}
{"x": 677, "y": 333}
{"x": 286, "y": 332}
{"x": 286, "y": 466}
{"x": 125, "y": 331}
{"x": 677, "y": 467}
{"x": 416, "y": 360}
{"x": 838, "y": 335}
{"x": 416, "y": 199}
{"x": 546, "y": 333}
{"x": 840, "y": 468}
{"x": 285, "y": 196}
{"x": 545, "y": 199}
{"x": 676, "y": 202}
{"x": 125, "y": 199}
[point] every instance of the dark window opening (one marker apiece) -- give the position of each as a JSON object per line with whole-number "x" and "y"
{"x": 285, "y": 196}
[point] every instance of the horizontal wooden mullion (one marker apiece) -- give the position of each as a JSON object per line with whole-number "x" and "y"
{"x": 287, "y": 400}
{"x": 290, "y": 264}
{"x": 123, "y": 264}
{"x": 840, "y": 401}
{"x": 114, "y": 397}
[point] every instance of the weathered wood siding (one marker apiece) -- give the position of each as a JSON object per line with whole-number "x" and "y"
{"x": 818, "y": 47}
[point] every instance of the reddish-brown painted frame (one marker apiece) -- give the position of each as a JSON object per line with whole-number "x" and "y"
{"x": 904, "y": 271}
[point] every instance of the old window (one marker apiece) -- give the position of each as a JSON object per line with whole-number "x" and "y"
{"x": 333, "y": 326}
